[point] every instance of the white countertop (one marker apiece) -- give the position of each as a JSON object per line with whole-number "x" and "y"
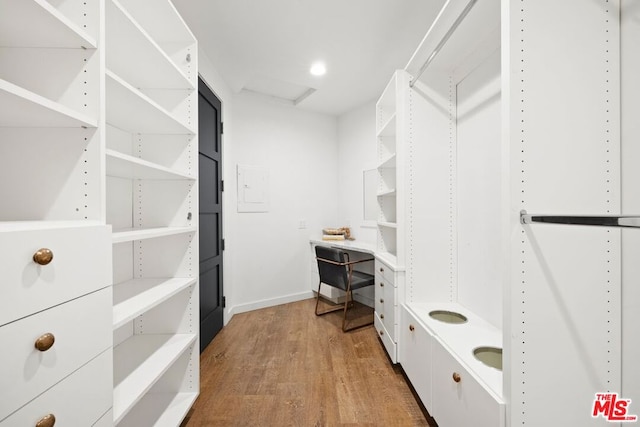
{"x": 355, "y": 245}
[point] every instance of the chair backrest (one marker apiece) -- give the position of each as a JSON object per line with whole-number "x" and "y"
{"x": 332, "y": 274}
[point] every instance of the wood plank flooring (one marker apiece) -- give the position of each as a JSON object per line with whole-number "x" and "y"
{"x": 283, "y": 366}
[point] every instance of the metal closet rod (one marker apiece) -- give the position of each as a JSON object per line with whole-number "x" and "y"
{"x": 602, "y": 221}
{"x": 444, "y": 40}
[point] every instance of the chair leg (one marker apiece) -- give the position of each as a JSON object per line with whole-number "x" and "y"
{"x": 330, "y": 310}
{"x": 349, "y": 298}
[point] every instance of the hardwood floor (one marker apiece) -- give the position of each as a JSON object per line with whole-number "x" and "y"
{"x": 283, "y": 366}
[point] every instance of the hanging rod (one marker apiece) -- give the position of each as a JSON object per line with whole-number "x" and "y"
{"x": 602, "y": 221}
{"x": 444, "y": 40}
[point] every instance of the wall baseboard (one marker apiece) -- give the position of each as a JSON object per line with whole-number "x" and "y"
{"x": 256, "y": 305}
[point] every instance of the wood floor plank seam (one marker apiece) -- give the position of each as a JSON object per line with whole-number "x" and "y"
{"x": 284, "y": 366}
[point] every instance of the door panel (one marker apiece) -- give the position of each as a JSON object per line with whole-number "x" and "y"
{"x": 210, "y": 176}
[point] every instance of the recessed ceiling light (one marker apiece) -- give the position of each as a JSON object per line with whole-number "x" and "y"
{"x": 318, "y": 69}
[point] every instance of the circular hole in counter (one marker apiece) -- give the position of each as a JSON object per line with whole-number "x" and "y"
{"x": 448, "y": 316}
{"x": 490, "y": 356}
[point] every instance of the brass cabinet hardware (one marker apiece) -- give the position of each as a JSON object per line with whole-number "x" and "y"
{"x": 382, "y": 316}
{"x": 456, "y": 377}
{"x": 381, "y": 285}
{"x": 43, "y": 256}
{"x": 411, "y": 328}
{"x": 48, "y": 420}
{"x": 381, "y": 300}
{"x": 381, "y": 270}
{"x": 45, "y": 342}
{"x": 381, "y": 333}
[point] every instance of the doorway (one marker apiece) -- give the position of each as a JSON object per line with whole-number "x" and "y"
{"x": 210, "y": 189}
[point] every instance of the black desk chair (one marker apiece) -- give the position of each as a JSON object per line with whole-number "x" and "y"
{"x": 336, "y": 270}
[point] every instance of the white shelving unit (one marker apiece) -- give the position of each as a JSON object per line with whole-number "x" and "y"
{"x": 51, "y": 176}
{"x": 152, "y": 204}
{"x": 390, "y": 134}
{"x": 56, "y": 29}
{"x": 391, "y": 138}
{"x": 503, "y": 119}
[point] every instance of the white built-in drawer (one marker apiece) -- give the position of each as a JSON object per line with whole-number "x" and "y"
{"x": 81, "y": 264}
{"x": 91, "y": 385}
{"x": 414, "y": 354}
{"x": 387, "y": 340}
{"x": 106, "y": 420}
{"x": 464, "y": 402}
{"x": 82, "y": 329}
{"x": 385, "y": 304}
{"x": 385, "y": 271}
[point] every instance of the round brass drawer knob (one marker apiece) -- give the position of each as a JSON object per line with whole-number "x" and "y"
{"x": 44, "y": 343}
{"x": 381, "y": 285}
{"x": 381, "y": 270}
{"x": 456, "y": 377}
{"x": 412, "y": 328}
{"x": 43, "y": 256}
{"x": 382, "y": 316}
{"x": 46, "y": 421}
{"x": 381, "y": 300}
{"x": 381, "y": 333}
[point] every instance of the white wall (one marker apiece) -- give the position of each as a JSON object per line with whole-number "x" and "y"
{"x": 315, "y": 163}
{"x": 356, "y": 153}
{"x": 271, "y": 255}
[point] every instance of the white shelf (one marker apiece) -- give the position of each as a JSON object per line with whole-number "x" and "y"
{"x": 131, "y": 110}
{"x": 134, "y": 297}
{"x": 139, "y": 362}
{"x": 36, "y": 23}
{"x": 165, "y": 25}
{"x": 22, "y": 108}
{"x": 126, "y": 166}
{"x": 136, "y": 57}
{"x": 131, "y": 234}
{"x": 478, "y": 34}
{"x": 387, "y": 224}
{"x": 388, "y": 193}
{"x": 164, "y": 409}
{"x": 388, "y": 163}
{"x": 389, "y": 127}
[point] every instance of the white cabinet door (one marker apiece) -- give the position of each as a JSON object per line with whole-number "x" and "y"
{"x": 458, "y": 399}
{"x": 415, "y": 355}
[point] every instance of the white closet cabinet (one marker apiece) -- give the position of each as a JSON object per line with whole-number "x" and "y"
{"x": 391, "y": 114}
{"x": 152, "y": 205}
{"x": 522, "y": 107}
{"x": 98, "y": 123}
{"x": 56, "y": 267}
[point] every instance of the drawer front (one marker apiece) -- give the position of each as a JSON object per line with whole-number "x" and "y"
{"x": 461, "y": 403}
{"x": 78, "y": 400}
{"x": 81, "y": 264}
{"x": 82, "y": 329}
{"x": 387, "y": 341}
{"x": 414, "y": 354}
{"x": 386, "y": 306}
{"x": 385, "y": 271}
{"x": 105, "y": 421}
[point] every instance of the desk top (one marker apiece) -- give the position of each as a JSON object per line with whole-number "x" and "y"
{"x": 354, "y": 245}
{"x": 359, "y": 246}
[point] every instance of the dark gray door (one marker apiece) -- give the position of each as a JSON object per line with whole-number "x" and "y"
{"x": 211, "y": 244}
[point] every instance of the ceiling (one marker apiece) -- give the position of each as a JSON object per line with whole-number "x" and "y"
{"x": 268, "y": 46}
